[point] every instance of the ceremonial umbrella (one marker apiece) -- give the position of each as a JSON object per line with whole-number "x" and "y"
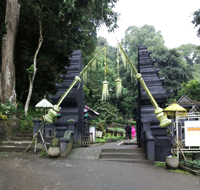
{"x": 175, "y": 109}
{"x": 43, "y": 105}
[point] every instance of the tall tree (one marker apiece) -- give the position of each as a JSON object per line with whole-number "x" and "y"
{"x": 196, "y": 21}
{"x": 145, "y": 35}
{"x": 190, "y": 89}
{"x": 173, "y": 67}
{"x": 67, "y": 26}
{"x": 7, "y": 75}
{"x": 190, "y": 53}
{"x": 32, "y": 70}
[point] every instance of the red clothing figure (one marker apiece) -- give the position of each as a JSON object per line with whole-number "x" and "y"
{"x": 133, "y": 131}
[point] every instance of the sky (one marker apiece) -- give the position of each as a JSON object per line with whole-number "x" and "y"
{"x": 172, "y": 17}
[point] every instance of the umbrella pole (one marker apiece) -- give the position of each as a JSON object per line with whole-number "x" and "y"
{"x": 178, "y": 147}
{"x": 39, "y": 131}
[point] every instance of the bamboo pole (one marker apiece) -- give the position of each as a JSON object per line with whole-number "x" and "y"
{"x": 164, "y": 121}
{"x": 52, "y": 113}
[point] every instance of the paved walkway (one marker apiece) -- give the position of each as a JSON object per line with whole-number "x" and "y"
{"x": 93, "y": 151}
{"x": 83, "y": 171}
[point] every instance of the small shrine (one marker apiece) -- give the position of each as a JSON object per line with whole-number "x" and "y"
{"x": 188, "y": 104}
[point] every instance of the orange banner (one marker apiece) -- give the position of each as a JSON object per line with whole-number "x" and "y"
{"x": 193, "y": 128}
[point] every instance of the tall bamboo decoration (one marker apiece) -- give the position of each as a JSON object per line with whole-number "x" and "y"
{"x": 52, "y": 113}
{"x": 164, "y": 121}
{"x": 118, "y": 81}
{"x": 105, "y": 92}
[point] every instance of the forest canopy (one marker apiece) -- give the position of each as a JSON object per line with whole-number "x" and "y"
{"x": 69, "y": 25}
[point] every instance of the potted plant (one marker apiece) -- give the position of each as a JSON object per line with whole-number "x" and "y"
{"x": 172, "y": 162}
{"x": 54, "y": 149}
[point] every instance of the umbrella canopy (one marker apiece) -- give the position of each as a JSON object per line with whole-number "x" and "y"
{"x": 43, "y": 104}
{"x": 174, "y": 109}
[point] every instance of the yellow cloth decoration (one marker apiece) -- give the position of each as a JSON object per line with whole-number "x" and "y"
{"x": 118, "y": 83}
{"x": 105, "y": 92}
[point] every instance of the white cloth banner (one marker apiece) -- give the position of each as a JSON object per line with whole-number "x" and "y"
{"x": 192, "y": 133}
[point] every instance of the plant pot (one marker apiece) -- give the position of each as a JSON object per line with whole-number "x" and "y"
{"x": 172, "y": 162}
{"x": 53, "y": 152}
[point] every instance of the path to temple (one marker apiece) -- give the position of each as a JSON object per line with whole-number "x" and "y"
{"x": 83, "y": 170}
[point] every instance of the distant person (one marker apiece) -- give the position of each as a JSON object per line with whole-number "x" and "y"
{"x": 128, "y": 131}
{"x": 133, "y": 131}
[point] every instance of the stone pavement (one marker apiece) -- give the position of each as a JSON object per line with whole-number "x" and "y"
{"x": 93, "y": 151}
{"x": 83, "y": 171}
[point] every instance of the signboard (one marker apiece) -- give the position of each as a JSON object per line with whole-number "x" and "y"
{"x": 192, "y": 133}
{"x": 98, "y": 133}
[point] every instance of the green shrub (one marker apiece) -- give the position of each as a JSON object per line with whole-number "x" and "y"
{"x": 3, "y": 117}
{"x": 7, "y": 109}
{"x": 43, "y": 154}
{"x": 26, "y": 123}
{"x": 100, "y": 140}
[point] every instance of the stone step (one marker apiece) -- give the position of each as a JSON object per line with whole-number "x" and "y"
{"x": 21, "y": 138}
{"x": 130, "y": 154}
{"x": 25, "y": 134}
{"x": 130, "y": 143}
{"x": 8, "y": 148}
{"x": 18, "y": 146}
{"x": 122, "y": 155}
{"x": 15, "y": 143}
{"x": 122, "y": 150}
{"x": 136, "y": 161}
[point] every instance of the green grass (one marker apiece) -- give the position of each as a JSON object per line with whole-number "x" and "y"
{"x": 162, "y": 164}
{"x": 108, "y": 138}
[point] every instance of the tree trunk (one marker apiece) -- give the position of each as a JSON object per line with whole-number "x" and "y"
{"x": 7, "y": 75}
{"x": 32, "y": 78}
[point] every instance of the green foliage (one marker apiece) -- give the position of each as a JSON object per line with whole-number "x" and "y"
{"x": 108, "y": 138}
{"x": 43, "y": 154}
{"x": 67, "y": 26}
{"x": 160, "y": 164}
{"x": 55, "y": 142}
{"x": 145, "y": 35}
{"x": 120, "y": 121}
{"x": 190, "y": 53}
{"x": 196, "y": 20}
{"x": 93, "y": 88}
{"x": 26, "y": 123}
{"x": 100, "y": 140}
{"x": 30, "y": 70}
{"x": 3, "y": 117}
{"x": 100, "y": 126}
{"x": 173, "y": 67}
{"x": 70, "y": 120}
{"x": 108, "y": 111}
{"x": 190, "y": 89}
{"x": 7, "y": 109}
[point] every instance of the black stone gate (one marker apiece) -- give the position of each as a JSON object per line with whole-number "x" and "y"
{"x": 72, "y": 107}
{"x": 150, "y": 135}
